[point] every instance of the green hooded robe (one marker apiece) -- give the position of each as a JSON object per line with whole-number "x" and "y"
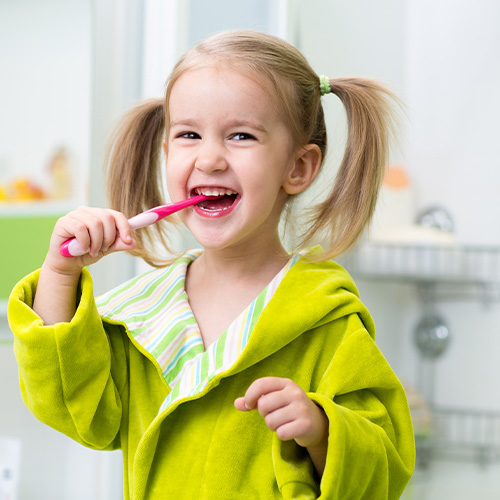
{"x": 92, "y": 380}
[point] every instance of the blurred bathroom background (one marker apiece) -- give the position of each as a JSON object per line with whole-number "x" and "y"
{"x": 429, "y": 270}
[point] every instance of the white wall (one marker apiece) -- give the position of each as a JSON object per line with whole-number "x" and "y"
{"x": 453, "y": 76}
{"x": 452, "y": 81}
{"x": 45, "y": 88}
{"x": 355, "y": 38}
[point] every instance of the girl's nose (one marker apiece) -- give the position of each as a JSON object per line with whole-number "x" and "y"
{"x": 211, "y": 157}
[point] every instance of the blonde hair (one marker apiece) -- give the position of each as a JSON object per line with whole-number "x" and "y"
{"x": 339, "y": 220}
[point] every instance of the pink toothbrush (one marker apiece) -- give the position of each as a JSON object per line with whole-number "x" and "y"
{"x": 72, "y": 248}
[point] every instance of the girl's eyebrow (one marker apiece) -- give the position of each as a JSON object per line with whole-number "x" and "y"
{"x": 229, "y": 124}
{"x": 245, "y": 123}
{"x": 188, "y": 123}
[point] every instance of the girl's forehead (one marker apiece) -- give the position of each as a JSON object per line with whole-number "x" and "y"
{"x": 227, "y": 72}
{"x": 222, "y": 81}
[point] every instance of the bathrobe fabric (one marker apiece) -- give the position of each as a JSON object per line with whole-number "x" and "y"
{"x": 92, "y": 381}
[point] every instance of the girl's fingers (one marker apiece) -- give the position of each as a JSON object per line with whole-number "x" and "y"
{"x": 289, "y": 430}
{"x": 73, "y": 228}
{"x": 286, "y": 409}
{"x": 260, "y": 387}
{"x": 122, "y": 226}
{"x": 239, "y": 403}
{"x": 272, "y": 401}
{"x": 109, "y": 231}
{"x": 277, "y": 418}
{"x": 119, "y": 245}
{"x": 97, "y": 231}
{"x": 265, "y": 404}
{"x": 95, "y": 227}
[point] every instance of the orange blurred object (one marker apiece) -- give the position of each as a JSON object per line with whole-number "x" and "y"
{"x": 26, "y": 190}
{"x": 396, "y": 177}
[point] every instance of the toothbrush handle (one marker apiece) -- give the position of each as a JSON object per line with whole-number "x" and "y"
{"x": 72, "y": 248}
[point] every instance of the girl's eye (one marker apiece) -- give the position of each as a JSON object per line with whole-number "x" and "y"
{"x": 189, "y": 135}
{"x": 242, "y": 136}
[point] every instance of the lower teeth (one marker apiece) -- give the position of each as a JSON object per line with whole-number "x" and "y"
{"x": 215, "y": 209}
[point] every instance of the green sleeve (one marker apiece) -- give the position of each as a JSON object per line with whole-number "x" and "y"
{"x": 371, "y": 450}
{"x": 65, "y": 369}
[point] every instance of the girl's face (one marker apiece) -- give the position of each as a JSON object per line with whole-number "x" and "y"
{"x": 226, "y": 136}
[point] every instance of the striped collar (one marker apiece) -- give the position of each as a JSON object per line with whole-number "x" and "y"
{"x": 155, "y": 309}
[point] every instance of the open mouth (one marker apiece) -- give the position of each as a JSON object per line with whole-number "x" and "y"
{"x": 222, "y": 201}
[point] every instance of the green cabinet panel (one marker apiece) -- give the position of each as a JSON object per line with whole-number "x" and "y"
{"x": 25, "y": 241}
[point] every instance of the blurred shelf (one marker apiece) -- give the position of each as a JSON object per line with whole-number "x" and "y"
{"x": 450, "y": 271}
{"x": 3, "y": 308}
{"x": 460, "y": 434}
{"x": 445, "y": 480}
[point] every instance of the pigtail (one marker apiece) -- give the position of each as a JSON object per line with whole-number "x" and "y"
{"x": 134, "y": 172}
{"x": 343, "y": 216}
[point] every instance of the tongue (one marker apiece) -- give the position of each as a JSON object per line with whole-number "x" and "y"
{"x": 222, "y": 203}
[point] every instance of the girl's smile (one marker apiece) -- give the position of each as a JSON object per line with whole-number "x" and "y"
{"x": 227, "y": 201}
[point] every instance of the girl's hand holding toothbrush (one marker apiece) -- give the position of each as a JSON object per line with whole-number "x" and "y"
{"x": 72, "y": 247}
{"x": 100, "y": 231}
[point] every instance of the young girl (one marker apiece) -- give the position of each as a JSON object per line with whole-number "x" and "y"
{"x": 238, "y": 370}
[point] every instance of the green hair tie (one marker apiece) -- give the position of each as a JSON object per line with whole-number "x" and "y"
{"x": 324, "y": 85}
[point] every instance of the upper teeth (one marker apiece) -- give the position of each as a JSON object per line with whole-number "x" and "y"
{"x": 207, "y": 191}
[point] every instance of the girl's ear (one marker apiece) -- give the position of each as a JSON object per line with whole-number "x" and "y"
{"x": 304, "y": 169}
